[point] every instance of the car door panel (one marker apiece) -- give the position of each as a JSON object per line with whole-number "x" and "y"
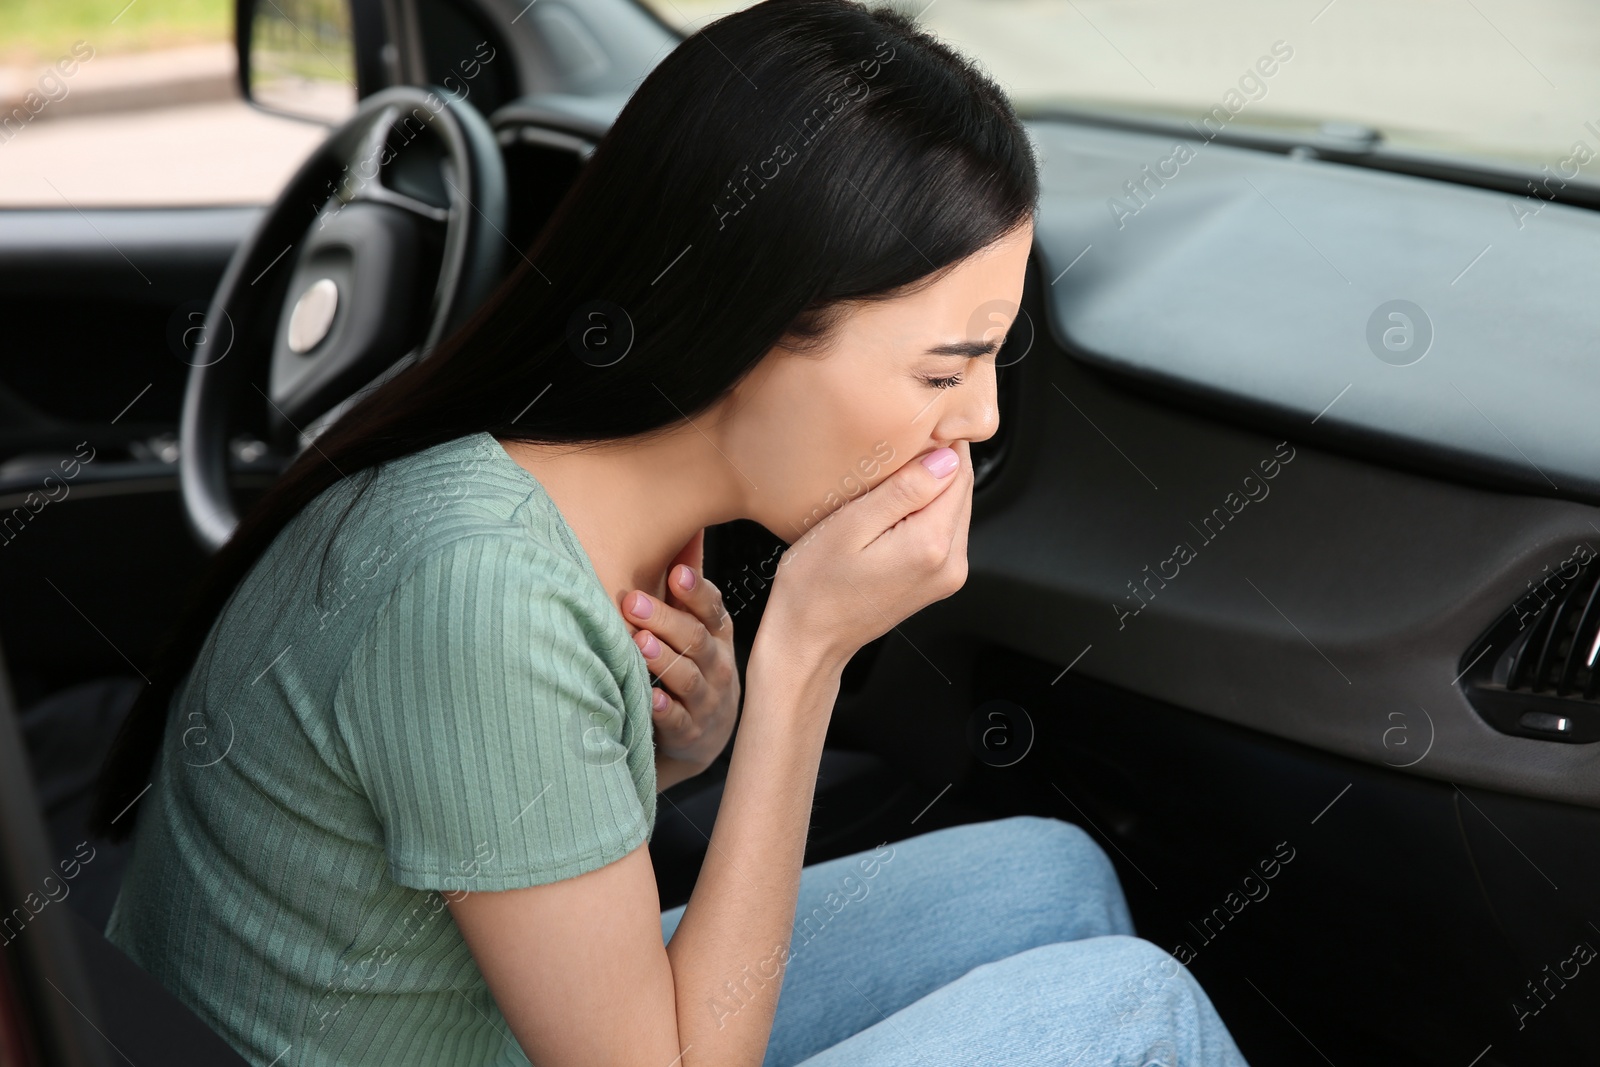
{"x": 95, "y": 547}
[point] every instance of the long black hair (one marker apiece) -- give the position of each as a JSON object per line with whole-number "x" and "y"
{"x": 781, "y": 161}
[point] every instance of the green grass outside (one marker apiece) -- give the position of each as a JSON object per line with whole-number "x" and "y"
{"x": 38, "y": 31}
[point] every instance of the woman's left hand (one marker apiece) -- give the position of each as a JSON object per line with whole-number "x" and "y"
{"x": 688, "y": 646}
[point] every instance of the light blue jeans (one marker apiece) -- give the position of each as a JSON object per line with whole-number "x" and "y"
{"x": 1004, "y": 943}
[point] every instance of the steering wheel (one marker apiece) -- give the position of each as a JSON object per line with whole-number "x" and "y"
{"x": 411, "y": 189}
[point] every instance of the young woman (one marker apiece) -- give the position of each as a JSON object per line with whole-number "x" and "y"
{"x": 396, "y": 812}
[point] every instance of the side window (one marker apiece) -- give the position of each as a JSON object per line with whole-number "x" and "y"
{"x": 111, "y": 103}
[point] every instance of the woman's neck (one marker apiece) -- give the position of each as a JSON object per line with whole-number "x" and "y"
{"x": 633, "y": 509}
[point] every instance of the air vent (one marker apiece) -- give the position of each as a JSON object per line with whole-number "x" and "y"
{"x": 1536, "y": 673}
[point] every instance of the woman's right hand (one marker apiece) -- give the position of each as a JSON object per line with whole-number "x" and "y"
{"x": 878, "y": 559}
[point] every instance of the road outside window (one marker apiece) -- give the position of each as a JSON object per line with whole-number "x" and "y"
{"x": 106, "y": 103}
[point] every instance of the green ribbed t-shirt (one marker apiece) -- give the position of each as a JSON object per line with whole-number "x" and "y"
{"x": 450, "y": 702}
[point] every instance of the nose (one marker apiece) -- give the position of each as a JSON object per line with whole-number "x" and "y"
{"x": 976, "y": 414}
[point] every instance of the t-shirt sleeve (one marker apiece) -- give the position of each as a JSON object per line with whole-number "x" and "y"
{"x": 488, "y": 731}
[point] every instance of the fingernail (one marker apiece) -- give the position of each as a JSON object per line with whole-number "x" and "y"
{"x": 658, "y": 700}
{"x": 686, "y": 580}
{"x": 651, "y": 647}
{"x": 941, "y": 461}
{"x": 641, "y": 607}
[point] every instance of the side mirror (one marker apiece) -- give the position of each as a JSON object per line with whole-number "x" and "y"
{"x": 298, "y": 58}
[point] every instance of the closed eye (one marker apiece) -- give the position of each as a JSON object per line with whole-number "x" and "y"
{"x": 943, "y": 382}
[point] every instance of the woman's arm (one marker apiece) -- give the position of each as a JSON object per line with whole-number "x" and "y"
{"x": 578, "y": 967}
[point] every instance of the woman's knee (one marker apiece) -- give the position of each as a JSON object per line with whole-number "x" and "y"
{"x": 1067, "y": 857}
{"x": 1125, "y": 976}
{"x": 1140, "y": 975}
{"x": 1114, "y": 998}
{"x": 1052, "y": 839}
{"x": 1042, "y": 879}
{"x": 1136, "y": 992}
{"x": 1065, "y": 845}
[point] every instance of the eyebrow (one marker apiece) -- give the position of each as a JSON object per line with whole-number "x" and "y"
{"x": 967, "y": 349}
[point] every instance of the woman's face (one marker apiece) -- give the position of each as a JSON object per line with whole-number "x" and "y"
{"x": 898, "y": 378}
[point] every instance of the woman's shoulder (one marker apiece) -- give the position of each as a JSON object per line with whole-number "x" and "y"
{"x": 459, "y": 516}
{"x": 425, "y": 503}
{"x": 464, "y": 481}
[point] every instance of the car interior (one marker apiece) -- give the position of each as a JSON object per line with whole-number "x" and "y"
{"x": 1286, "y": 554}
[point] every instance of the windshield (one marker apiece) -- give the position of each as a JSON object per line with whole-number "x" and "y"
{"x": 1514, "y": 82}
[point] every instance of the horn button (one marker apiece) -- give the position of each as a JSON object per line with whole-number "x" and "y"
{"x": 353, "y": 305}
